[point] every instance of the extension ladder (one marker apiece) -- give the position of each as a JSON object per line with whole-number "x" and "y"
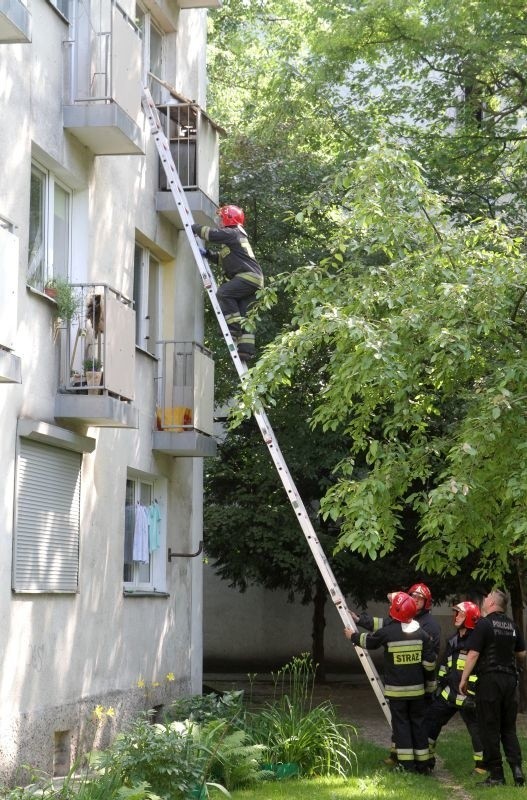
{"x": 269, "y": 438}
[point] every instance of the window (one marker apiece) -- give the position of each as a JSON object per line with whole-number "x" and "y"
{"x": 46, "y": 542}
{"x": 49, "y": 228}
{"x": 62, "y": 6}
{"x": 143, "y": 537}
{"x": 153, "y": 56}
{"x": 146, "y": 298}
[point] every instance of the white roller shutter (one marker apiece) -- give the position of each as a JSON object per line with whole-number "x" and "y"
{"x": 46, "y": 544}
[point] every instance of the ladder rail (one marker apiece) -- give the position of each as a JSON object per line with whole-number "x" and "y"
{"x": 262, "y": 420}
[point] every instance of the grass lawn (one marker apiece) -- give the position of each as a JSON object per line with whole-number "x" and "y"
{"x": 372, "y": 780}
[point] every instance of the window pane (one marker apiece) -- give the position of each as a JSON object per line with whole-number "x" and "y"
{"x": 138, "y": 288}
{"x": 61, "y": 232}
{"x": 36, "y": 271}
{"x": 153, "y": 299}
{"x": 129, "y": 521}
{"x": 156, "y": 51}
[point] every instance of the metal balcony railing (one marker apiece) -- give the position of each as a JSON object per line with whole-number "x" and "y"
{"x": 97, "y": 346}
{"x": 185, "y": 388}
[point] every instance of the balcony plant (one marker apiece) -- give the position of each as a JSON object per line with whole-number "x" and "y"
{"x": 64, "y": 296}
{"x": 93, "y": 371}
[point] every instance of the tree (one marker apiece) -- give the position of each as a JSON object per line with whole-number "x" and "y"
{"x": 424, "y": 319}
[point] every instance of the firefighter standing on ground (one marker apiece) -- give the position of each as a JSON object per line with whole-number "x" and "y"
{"x": 449, "y": 700}
{"x": 423, "y": 600}
{"x": 244, "y": 274}
{"x": 409, "y": 674}
{"x": 496, "y": 647}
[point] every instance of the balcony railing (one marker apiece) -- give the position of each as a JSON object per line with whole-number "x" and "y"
{"x": 98, "y": 345}
{"x": 185, "y": 388}
{"x": 185, "y": 400}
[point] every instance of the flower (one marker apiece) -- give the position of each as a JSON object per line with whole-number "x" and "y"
{"x": 141, "y": 683}
{"x": 170, "y": 677}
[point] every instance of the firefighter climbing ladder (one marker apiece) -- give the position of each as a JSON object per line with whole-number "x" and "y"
{"x": 269, "y": 438}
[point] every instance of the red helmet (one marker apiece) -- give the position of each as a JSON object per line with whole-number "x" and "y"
{"x": 231, "y": 216}
{"x": 402, "y": 607}
{"x": 471, "y": 612}
{"x": 424, "y": 591}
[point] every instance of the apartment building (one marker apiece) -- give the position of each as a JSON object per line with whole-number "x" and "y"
{"x": 106, "y": 390}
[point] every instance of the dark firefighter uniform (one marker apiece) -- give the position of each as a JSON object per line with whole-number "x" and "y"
{"x": 425, "y": 619}
{"x": 449, "y": 699}
{"x": 244, "y": 278}
{"x": 497, "y": 639}
{"x": 409, "y": 673}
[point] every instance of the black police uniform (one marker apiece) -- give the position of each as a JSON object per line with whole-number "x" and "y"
{"x": 244, "y": 278}
{"x": 497, "y": 638}
{"x": 449, "y": 700}
{"x": 409, "y": 673}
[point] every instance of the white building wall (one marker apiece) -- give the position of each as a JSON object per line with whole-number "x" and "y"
{"x": 64, "y": 654}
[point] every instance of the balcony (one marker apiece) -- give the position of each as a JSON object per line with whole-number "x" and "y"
{"x": 104, "y": 87}
{"x": 199, "y": 3}
{"x": 10, "y": 365}
{"x": 185, "y": 401}
{"x": 15, "y": 22}
{"x": 194, "y": 144}
{"x": 97, "y": 360}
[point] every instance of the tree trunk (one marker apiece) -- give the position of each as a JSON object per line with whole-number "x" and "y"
{"x": 517, "y": 606}
{"x": 319, "y": 624}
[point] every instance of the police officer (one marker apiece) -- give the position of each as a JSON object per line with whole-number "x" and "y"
{"x": 409, "y": 673}
{"x": 449, "y": 700}
{"x": 496, "y": 647}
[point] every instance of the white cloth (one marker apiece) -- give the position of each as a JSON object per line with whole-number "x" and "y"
{"x": 140, "y": 552}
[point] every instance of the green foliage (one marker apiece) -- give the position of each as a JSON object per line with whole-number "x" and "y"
{"x": 205, "y": 707}
{"x": 163, "y": 756}
{"x": 65, "y": 298}
{"x": 423, "y": 318}
{"x": 293, "y": 730}
{"x": 381, "y": 156}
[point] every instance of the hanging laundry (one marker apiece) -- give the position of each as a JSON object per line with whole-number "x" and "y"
{"x": 154, "y": 526}
{"x": 140, "y": 552}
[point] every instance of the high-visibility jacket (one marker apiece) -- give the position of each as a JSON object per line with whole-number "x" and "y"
{"x": 451, "y": 670}
{"x": 235, "y": 257}
{"x": 409, "y": 659}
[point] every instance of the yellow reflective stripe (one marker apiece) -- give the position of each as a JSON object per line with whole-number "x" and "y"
{"x": 422, "y": 755}
{"x": 445, "y": 694}
{"x": 442, "y": 672}
{"x": 405, "y": 754}
{"x": 204, "y": 233}
{"x": 251, "y": 277}
{"x": 429, "y": 665}
{"x": 404, "y": 691}
{"x": 377, "y": 623}
{"x": 362, "y": 640}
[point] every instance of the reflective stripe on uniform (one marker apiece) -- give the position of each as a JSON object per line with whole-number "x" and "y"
{"x": 416, "y": 690}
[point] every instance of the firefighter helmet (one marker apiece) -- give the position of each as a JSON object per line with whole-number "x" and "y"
{"x": 422, "y": 590}
{"x": 231, "y": 216}
{"x": 471, "y": 612}
{"x": 403, "y": 608}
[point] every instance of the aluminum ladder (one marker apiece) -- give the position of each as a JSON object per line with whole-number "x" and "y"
{"x": 269, "y": 438}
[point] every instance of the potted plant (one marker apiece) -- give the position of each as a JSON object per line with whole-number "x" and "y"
{"x": 63, "y": 294}
{"x": 93, "y": 373}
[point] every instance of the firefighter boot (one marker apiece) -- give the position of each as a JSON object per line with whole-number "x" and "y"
{"x": 495, "y": 778}
{"x": 517, "y": 774}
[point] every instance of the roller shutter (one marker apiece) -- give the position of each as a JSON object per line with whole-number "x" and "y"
{"x": 46, "y": 544}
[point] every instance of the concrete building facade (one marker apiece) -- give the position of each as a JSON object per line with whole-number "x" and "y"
{"x": 106, "y": 390}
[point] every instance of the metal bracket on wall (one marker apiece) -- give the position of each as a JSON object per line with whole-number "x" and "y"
{"x": 172, "y": 555}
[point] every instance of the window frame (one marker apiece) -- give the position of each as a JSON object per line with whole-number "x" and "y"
{"x": 150, "y": 24}
{"x": 46, "y": 269}
{"x": 147, "y": 298}
{"x": 156, "y": 582}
